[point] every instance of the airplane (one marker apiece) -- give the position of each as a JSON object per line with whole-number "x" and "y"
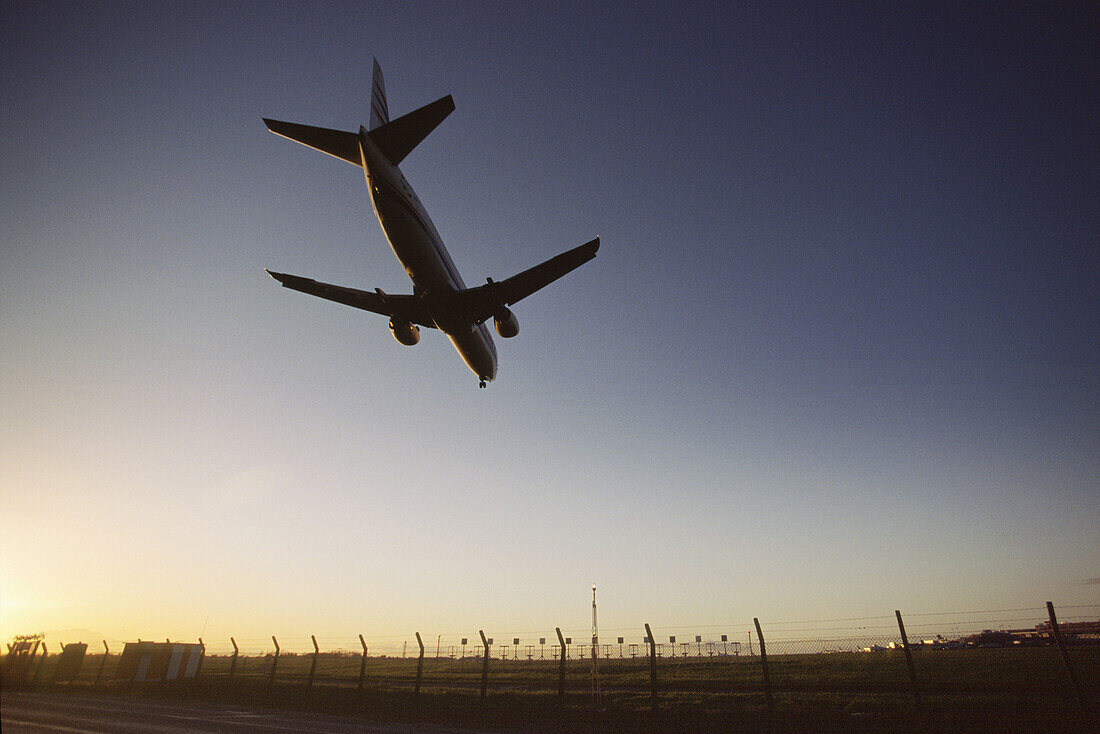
{"x": 440, "y": 299}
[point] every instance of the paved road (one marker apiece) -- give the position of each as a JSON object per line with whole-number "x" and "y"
{"x": 84, "y": 714}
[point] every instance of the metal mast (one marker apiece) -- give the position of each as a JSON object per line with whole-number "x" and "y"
{"x": 595, "y": 650}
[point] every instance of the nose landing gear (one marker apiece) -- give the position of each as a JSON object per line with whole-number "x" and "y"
{"x": 482, "y": 383}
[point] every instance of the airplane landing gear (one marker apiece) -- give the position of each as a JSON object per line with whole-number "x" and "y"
{"x": 481, "y": 384}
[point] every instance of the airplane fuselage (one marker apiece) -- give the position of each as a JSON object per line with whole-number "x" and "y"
{"x": 419, "y": 248}
{"x": 440, "y": 299}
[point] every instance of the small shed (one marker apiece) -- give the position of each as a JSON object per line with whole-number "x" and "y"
{"x": 69, "y": 662}
{"x": 152, "y": 661}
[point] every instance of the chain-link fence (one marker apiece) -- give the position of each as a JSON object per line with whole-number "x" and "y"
{"x": 993, "y": 658}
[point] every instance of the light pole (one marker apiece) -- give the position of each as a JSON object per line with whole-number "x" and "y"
{"x": 595, "y": 651}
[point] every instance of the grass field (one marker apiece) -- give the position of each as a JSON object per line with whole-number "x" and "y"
{"x": 1010, "y": 689}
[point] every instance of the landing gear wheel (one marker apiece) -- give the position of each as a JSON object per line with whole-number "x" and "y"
{"x": 481, "y": 384}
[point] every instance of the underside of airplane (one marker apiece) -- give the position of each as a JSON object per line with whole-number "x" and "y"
{"x": 440, "y": 299}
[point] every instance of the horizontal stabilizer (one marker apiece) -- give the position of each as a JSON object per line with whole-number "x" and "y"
{"x": 396, "y": 139}
{"x": 342, "y": 145}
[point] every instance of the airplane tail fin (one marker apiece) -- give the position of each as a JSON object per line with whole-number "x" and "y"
{"x": 379, "y": 112}
{"x": 395, "y": 139}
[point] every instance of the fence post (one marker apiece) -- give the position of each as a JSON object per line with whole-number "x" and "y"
{"x": 313, "y": 665}
{"x": 652, "y": 664}
{"x": 233, "y": 662}
{"x": 99, "y": 673}
{"x": 362, "y": 665}
{"x": 561, "y": 666}
{"x": 484, "y": 666}
{"x": 419, "y": 663}
{"x": 1065, "y": 658}
{"x": 908, "y": 658}
{"x": 202, "y": 656}
{"x": 764, "y": 664}
{"x": 274, "y": 661}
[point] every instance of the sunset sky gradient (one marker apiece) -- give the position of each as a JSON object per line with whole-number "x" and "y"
{"x": 838, "y": 353}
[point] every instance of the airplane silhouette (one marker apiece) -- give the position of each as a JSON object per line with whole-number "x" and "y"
{"x": 440, "y": 298}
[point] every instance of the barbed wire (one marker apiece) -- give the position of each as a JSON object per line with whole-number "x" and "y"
{"x": 924, "y": 623}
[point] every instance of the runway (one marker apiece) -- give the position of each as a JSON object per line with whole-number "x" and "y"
{"x": 22, "y": 712}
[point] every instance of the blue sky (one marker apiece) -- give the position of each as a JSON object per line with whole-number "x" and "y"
{"x": 837, "y": 354}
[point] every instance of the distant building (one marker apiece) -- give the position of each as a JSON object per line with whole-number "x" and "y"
{"x": 1087, "y": 630}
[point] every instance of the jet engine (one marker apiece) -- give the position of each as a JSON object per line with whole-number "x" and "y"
{"x": 405, "y": 332}
{"x": 506, "y": 323}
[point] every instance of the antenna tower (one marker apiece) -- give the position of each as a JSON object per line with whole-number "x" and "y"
{"x": 595, "y": 651}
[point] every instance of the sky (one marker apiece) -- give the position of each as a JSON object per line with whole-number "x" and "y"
{"x": 837, "y": 355}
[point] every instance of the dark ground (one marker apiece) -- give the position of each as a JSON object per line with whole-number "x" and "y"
{"x": 211, "y": 705}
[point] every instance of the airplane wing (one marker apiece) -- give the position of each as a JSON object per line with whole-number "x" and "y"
{"x": 403, "y": 306}
{"x": 482, "y": 302}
